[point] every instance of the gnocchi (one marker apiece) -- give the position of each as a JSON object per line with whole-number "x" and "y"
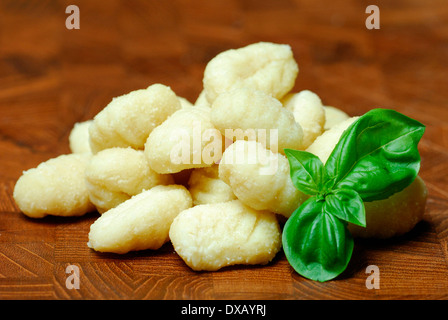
{"x": 324, "y": 144}
{"x": 79, "y": 137}
{"x": 394, "y": 216}
{"x": 260, "y": 178}
{"x": 205, "y": 186}
{"x": 55, "y": 187}
{"x": 263, "y": 66}
{"x": 334, "y": 116}
{"x": 186, "y": 140}
{"x": 114, "y": 175}
{"x": 140, "y": 223}
{"x": 246, "y": 113}
{"x": 309, "y": 112}
{"x": 128, "y": 120}
{"x": 212, "y": 236}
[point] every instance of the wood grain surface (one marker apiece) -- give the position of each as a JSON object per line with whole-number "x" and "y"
{"x": 52, "y": 77}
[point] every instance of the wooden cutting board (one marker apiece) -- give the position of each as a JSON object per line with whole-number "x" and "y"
{"x": 52, "y": 77}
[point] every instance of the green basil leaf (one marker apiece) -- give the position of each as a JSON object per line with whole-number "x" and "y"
{"x": 377, "y": 155}
{"x": 316, "y": 244}
{"x": 347, "y": 205}
{"x": 306, "y": 170}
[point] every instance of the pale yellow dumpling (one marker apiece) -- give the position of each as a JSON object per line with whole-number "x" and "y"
{"x": 309, "y": 112}
{"x": 212, "y": 236}
{"x": 186, "y": 140}
{"x": 260, "y": 178}
{"x": 205, "y": 186}
{"x": 55, "y": 187}
{"x": 334, "y": 116}
{"x": 250, "y": 114}
{"x": 140, "y": 223}
{"x": 128, "y": 120}
{"x": 79, "y": 137}
{"x": 114, "y": 175}
{"x": 396, "y": 215}
{"x": 264, "y": 66}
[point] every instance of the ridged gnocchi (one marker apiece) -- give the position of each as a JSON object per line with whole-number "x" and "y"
{"x": 309, "y": 112}
{"x": 186, "y": 140}
{"x": 128, "y": 120}
{"x": 264, "y": 66}
{"x": 55, "y": 187}
{"x": 205, "y": 186}
{"x": 251, "y": 114}
{"x": 115, "y": 175}
{"x": 212, "y": 236}
{"x": 140, "y": 223}
{"x": 260, "y": 178}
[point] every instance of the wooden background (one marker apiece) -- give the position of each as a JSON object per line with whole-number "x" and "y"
{"x": 51, "y": 77}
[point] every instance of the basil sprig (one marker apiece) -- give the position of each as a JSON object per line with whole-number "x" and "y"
{"x": 375, "y": 157}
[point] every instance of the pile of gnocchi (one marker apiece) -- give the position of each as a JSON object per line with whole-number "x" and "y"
{"x": 215, "y": 211}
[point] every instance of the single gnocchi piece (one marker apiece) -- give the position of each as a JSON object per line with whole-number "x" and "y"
{"x": 260, "y": 178}
{"x": 55, "y": 187}
{"x": 334, "y": 116}
{"x": 324, "y": 144}
{"x": 264, "y": 66}
{"x": 212, "y": 236}
{"x": 140, "y": 223}
{"x": 395, "y": 215}
{"x": 128, "y": 120}
{"x": 246, "y": 113}
{"x": 115, "y": 175}
{"x": 186, "y": 140}
{"x": 205, "y": 186}
{"x": 308, "y": 111}
{"x": 79, "y": 137}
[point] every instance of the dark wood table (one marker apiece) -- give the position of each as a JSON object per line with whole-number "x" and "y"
{"x": 52, "y": 77}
